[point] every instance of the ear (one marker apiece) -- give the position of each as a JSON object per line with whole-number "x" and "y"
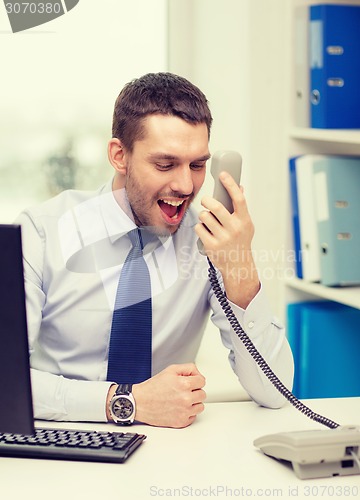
{"x": 117, "y": 155}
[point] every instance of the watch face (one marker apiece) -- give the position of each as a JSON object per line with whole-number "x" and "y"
{"x": 122, "y": 408}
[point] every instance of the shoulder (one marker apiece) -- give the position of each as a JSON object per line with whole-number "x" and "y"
{"x": 56, "y": 207}
{"x": 45, "y": 218}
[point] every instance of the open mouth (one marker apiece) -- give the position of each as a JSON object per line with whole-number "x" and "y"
{"x": 172, "y": 210}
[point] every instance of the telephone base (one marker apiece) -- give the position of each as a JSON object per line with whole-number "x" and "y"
{"x": 326, "y": 469}
{"x": 316, "y": 453}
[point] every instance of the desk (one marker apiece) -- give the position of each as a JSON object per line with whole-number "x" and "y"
{"x": 214, "y": 457}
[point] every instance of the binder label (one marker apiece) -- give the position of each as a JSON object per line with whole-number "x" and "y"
{"x": 316, "y": 47}
{"x": 321, "y": 198}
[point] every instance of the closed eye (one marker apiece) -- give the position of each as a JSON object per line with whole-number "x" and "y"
{"x": 198, "y": 166}
{"x": 161, "y": 166}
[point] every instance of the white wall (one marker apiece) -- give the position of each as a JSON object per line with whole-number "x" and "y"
{"x": 59, "y": 82}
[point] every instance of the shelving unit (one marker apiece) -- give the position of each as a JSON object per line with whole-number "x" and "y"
{"x": 349, "y": 296}
{"x": 321, "y": 141}
{"x": 351, "y": 137}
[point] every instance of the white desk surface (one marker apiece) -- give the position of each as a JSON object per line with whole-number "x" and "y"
{"x": 214, "y": 457}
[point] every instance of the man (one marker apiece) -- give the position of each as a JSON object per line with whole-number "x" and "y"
{"x": 75, "y": 246}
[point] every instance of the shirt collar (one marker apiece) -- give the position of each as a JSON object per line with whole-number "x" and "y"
{"x": 117, "y": 218}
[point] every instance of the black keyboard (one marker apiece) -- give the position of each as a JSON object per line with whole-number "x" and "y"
{"x": 62, "y": 444}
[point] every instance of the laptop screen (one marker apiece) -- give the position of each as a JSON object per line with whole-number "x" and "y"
{"x": 16, "y": 411}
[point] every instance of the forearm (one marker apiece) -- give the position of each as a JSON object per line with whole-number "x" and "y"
{"x": 241, "y": 280}
{"x": 63, "y": 399}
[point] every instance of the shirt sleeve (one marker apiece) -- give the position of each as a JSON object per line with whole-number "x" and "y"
{"x": 58, "y": 398}
{"x": 267, "y": 334}
{"x": 54, "y": 396}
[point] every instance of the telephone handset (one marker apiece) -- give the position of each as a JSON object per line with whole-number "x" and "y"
{"x": 223, "y": 161}
{"x": 228, "y": 161}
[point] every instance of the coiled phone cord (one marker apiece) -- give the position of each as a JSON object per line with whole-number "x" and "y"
{"x": 221, "y": 297}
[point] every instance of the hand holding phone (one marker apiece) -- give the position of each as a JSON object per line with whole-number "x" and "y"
{"x": 224, "y": 161}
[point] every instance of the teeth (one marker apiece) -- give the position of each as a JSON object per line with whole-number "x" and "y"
{"x": 173, "y": 203}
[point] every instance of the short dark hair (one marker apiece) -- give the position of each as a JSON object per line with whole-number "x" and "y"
{"x": 157, "y": 93}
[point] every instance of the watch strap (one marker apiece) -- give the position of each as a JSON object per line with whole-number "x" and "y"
{"x": 123, "y": 389}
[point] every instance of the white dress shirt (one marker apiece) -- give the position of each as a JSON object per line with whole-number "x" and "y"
{"x": 74, "y": 247}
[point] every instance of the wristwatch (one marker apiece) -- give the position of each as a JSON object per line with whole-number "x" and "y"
{"x": 122, "y": 405}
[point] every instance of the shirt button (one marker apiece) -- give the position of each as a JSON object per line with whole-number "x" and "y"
{"x": 251, "y": 324}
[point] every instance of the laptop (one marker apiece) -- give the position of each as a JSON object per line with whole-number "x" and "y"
{"x": 18, "y": 434}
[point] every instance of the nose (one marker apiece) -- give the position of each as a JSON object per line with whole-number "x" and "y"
{"x": 182, "y": 180}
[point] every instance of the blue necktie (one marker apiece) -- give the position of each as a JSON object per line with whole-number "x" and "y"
{"x": 131, "y": 330}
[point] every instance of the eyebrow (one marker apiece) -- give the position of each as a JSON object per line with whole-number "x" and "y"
{"x": 165, "y": 156}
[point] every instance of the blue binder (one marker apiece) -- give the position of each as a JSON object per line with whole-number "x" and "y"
{"x": 295, "y": 217}
{"x": 326, "y": 349}
{"x": 293, "y": 322}
{"x": 337, "y": 193}
{"x": 301, "y": 87}
{"x": 335, "y": 66}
